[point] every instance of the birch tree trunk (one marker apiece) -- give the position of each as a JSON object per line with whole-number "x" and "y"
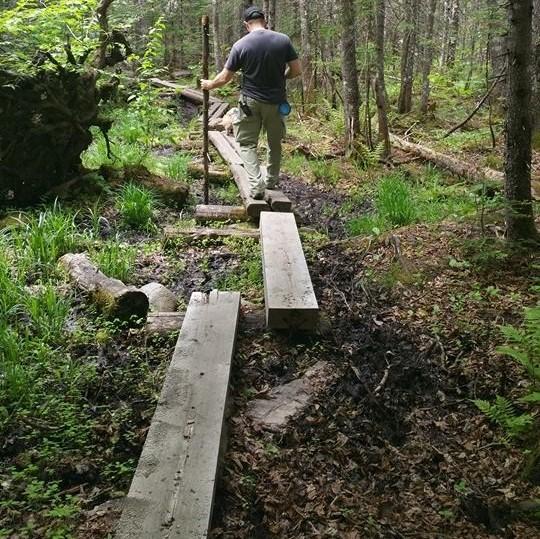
{"x": 351, "y": 92}
{"x": 519, "y": 211}
{"x": 453, "y": 34}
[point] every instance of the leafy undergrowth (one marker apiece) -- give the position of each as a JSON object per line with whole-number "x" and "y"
{"x": 395, "y": 447}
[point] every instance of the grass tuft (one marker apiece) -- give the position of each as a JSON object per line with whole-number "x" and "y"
{"x": 136, "y": 206}
{"x": 394, "y": 201}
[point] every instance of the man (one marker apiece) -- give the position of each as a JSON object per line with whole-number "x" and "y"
{"x": 266, "y": 59}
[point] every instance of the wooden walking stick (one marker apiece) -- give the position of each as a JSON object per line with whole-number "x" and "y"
{"x": 206, "y": 99}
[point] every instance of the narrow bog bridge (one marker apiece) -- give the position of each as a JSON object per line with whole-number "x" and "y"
{"x": 172, "y": 492}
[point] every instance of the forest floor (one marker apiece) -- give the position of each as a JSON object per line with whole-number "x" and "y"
{"x": 391, "y": 446}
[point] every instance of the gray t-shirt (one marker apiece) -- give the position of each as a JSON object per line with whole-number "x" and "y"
{"x": 262, "y": 55}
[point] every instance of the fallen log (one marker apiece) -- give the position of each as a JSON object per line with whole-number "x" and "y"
{"x": 453, "y": 165}
{"x": 208, "y": 212}
{"x": 456, "y": 166}
{"x": 161, "y": 299}
{"x": 115, "y": 298}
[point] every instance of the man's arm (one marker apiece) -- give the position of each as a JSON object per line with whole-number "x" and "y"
{"x": 221, "y": 79}
{"x": 293, "y": 70}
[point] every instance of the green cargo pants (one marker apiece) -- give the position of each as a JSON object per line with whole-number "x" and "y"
{"x": 247, "y": 130}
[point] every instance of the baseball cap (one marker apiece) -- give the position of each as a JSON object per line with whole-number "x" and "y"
{"x": 252, "y": 13}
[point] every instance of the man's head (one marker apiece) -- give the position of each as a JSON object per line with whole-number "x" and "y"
{"x": 254, "y": 18}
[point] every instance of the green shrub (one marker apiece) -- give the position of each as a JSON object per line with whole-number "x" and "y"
{"x": 394, "y": 201}
{"x": 136, "y": 206}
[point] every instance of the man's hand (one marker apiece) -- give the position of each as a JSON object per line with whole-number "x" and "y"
{"x": 207, "y": 84}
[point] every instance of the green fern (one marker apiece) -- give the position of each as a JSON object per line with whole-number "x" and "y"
{"x": 366, "y": 157}
{"x": 523, "y": 344}
{"x": 503, "y": 413}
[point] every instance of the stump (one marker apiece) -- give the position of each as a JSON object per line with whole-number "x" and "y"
{"x": 45, "y": 121}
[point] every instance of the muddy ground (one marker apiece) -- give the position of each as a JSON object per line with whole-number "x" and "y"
{"x": 393, "y": 446}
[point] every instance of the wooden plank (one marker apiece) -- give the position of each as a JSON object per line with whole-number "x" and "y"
{"x": 220, "y": 111}
{"x": 215, "y": 106}
{"x": 253, "y": 207}
{"x": 224, "y": 148}
{"x": 172, "y": 492}
{"x": 277, "y": 199}
{"x": 195, "y": 96}
{"x": 162, "y": 323}
{"x": 233, "y": 144}
{"x": 194, "y": 234}
{"x": 209, "y": 212}
{"x": 290, "y": 300}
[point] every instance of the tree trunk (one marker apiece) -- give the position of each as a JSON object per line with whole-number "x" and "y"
{"x": 428, "y": 57}
{"x": 447, "y": 15}
{"x": 407, "y": 58}
{"x": 380, "y": 86}
{"x": 519, "y": 213}
{"x": 218, "y": 56}
{"x": 536, "y": 79}
{"x": 496, "y": 46}
{"x": 269, "y": 8}
{"x": 453, "y": 34}
{"x": 244, "y": 4}
{"x": 351, "y": 92}
{"x": 307, "y": 61}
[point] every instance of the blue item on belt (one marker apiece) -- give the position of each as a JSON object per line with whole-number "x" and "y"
{"x": 285, "y": 108}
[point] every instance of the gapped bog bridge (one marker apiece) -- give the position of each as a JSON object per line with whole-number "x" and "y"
{"x": 172, "y": 492}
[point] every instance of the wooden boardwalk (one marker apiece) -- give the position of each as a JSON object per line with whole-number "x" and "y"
{"x": 290, "y": 301}
{"x": 172, "y": 491}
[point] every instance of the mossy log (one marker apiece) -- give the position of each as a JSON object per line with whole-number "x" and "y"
{"x": 115, "y": 298}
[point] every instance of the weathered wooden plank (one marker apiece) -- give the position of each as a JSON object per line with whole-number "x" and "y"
{"x": 224, "y": 149}
{"x": 220, "y": 111}
{"x": 232, "y": 143}
{"x": 277, "y": 200}
{"x": 162, "y": 323}
{"x": 209, "y": 212}
{"x": 172, "y": 492}
{"x": 215, "y": 106}
{"x": 253, "y": 207}
{"x": 194, "y": 234}
{"x": 290, "y": 300}
{"x": 195, "y": 96}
